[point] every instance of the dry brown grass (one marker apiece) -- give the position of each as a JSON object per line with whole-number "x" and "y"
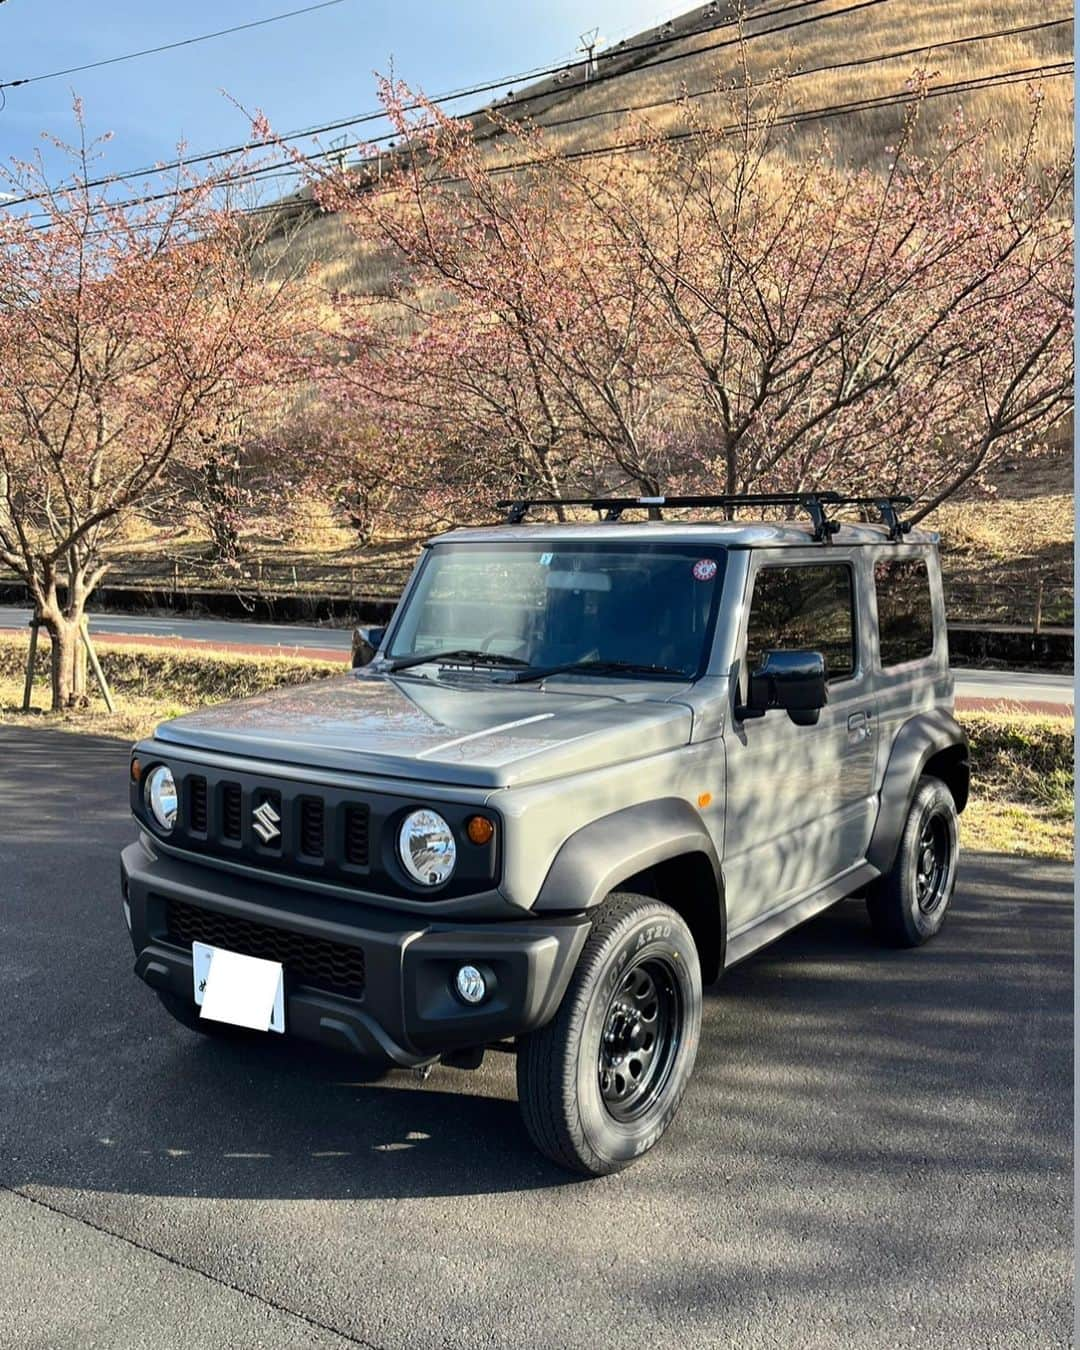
{"x": 809, "y": 50}
{"x": 149, "y": 685}
{"x": 1022, "y": 791}
{"x": 811, "y": 54}
{"x": 994, "y": 554}
{"x": 994, "y": 551}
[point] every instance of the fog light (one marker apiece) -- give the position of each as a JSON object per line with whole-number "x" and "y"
{"x": 471, "y": 985}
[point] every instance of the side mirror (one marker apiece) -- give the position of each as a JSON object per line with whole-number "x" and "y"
{"x": 794, "y": 681}
{"x": 365, "y": 645}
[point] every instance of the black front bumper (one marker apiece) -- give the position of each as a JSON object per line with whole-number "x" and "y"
{"x": 407, "y": 1013}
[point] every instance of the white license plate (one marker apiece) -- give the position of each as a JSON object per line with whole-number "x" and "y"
{"x": 242, "y": 990}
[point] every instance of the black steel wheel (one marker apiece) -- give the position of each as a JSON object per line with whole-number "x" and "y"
{"x": 908, "y": 905}
{"x": 640, "y": 1040}
{"x": 601, "y": 1082}
{"x": 933, "y": 855}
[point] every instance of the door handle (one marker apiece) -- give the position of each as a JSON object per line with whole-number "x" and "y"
{"x": 859, "y": 728}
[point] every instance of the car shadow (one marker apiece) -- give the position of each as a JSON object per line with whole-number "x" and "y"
{"x": 101, "y": 1092}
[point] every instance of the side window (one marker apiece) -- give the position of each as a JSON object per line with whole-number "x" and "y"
{"x": 805, "y": 607}
{"x": 905, "y": 614}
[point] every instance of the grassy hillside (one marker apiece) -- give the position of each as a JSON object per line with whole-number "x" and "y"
{"x": 832, "y": 56}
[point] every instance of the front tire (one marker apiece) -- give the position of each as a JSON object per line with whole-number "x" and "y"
{"x": 908, "y": 905}
{"x": 601, "y": 1082}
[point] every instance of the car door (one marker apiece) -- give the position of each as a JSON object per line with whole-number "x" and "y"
{"x": 800, "y": 799}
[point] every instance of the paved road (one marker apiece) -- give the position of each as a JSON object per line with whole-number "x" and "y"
{"x": 996, "y": 685}
{"x": 875, "y": 1150}
{"x": 226, "y": 631}
{"x": 1015, "y": 686}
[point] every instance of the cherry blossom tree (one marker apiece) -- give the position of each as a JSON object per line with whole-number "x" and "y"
{"x": 129, "y": 331}
{"x": 703, "y": 308}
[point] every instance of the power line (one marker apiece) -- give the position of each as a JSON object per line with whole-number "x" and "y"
{"x": 274, "y": 172}
{"x": 269, "y": 171}
{"x": 850, "y": 108}
{"x": 971, "y": 85}
{"x": 166, "y": 47}
{"x": 797, "y": 74}
{"x": 471, "y": 91}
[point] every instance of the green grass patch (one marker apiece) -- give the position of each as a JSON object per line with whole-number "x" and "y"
{"x": 1022, "y": 758}
{"x": 1022, "y": 784}
{"x": 149, "y": 684}
{"x": 192, "y": 677}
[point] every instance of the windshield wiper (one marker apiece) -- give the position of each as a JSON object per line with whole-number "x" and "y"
{"x": 458, "y": 656}
{"x": 597, "y": 668}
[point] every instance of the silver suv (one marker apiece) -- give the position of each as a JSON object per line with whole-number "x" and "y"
{"x": 585, "y": 769}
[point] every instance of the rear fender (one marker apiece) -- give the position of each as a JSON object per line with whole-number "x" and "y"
{"x": 932, "y": 742}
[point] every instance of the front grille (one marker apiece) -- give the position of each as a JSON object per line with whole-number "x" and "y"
{"x": 318, "y": 962}
{"x": 312, "y": 826}
{"x": 230, "y": 810}
{"x": 356, "y": 835}
{"x": 197, "y": 814}
{"x": 287, "y": 825}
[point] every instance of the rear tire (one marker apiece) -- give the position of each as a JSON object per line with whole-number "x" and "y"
{"x": 601, "y": 1082}
{"x": 908, "y": 905}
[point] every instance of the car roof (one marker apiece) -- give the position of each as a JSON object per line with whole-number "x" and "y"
{"x": 726, "y": 534}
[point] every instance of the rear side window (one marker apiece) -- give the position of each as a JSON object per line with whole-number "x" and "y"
{"x": 804, "y": 608}
{"x": 905, "y": 615}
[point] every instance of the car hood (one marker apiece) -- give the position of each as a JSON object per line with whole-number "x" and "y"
{"x": 466, "y": 731}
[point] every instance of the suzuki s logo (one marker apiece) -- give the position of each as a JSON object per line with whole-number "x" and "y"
{"x": 266, "y": 822}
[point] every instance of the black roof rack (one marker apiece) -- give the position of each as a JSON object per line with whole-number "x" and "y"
{"x": 815, "y": 504}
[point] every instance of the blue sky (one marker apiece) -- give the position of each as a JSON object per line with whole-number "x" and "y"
{"x": 302, "y": 71}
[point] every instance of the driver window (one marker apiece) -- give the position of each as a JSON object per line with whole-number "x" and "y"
{"x": 804, "y": 607}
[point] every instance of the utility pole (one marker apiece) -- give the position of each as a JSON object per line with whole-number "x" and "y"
{"x": 589, "y": 42}
{"x": 339, "y": 148}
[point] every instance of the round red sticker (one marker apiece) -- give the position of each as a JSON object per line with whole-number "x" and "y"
{"x": 704, "y": 569}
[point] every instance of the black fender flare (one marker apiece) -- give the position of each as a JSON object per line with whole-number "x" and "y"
{"x": 917, "y": 742}
{"x": 604, "y": 853}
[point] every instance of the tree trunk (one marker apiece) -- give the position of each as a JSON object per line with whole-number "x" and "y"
{"x": 68, "y": 660}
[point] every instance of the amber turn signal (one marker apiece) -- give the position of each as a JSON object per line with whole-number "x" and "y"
{"x": 136, "y": 770}
{"x": 704, "y": 800}
{"x": 480, "y": 830}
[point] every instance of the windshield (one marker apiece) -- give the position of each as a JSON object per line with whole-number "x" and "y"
{"x": 606, "y": 605}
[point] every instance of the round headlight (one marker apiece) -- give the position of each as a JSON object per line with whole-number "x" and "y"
{"x": 161, "y": 797}
{"x": 426, "y": 847}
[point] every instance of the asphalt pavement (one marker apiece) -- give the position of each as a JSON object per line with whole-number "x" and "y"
{"x": 875, "y": 1149}
{"x": 1046, "y": 691}
{"x": 228, "y": 632}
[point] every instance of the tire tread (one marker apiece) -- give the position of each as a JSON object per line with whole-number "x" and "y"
{"x": 546, "y": 1073}
{"x": 886, "y": 902}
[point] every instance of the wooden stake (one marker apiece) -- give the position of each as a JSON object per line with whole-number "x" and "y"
{"x": 1036, "y": 627}
{"x": 95, "y": 666}
{"x": 28, "y": 686}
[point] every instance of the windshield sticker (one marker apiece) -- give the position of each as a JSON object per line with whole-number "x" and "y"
{"x": 545, "y": 559}
{"x": 704, "y": 569}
